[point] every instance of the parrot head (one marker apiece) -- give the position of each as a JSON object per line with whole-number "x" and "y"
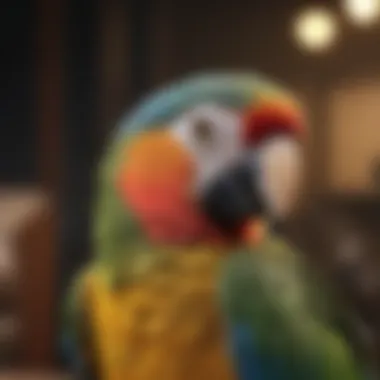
{"x": 206, "y": 157}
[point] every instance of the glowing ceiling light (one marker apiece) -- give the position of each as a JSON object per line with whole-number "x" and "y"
{"x": 315, "y": 29}
{"x": 362, "y": 12}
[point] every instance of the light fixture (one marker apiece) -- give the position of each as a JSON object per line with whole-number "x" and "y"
{"x": 362, "y": 12}
{"x": 315, "y": 29}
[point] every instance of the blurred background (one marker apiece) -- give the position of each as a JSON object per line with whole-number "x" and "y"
{"x": 70, "y": 68}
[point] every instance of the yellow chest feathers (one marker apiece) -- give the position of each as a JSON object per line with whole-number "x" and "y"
{"x": 165, "y": 325}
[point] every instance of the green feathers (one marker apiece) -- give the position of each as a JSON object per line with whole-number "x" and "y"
{"x": 266, "y": 289}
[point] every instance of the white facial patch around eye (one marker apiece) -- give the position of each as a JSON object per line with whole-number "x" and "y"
{"x": 221, "y": 149}
{"x": 281, "y": 167}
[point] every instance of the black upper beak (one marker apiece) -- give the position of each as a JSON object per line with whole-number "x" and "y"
{"x": 233, "y": 198}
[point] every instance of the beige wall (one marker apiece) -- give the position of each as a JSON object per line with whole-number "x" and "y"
{"x": 354, "y": 136}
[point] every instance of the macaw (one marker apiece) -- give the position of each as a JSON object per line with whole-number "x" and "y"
{"x": 188, "y": 279}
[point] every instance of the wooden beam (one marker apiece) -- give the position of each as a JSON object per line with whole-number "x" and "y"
{"x": 141, "y": 62}
{"x": 40, "y": 303}
{"x": 49, "y": 90}
{"x": 114, "y": 63}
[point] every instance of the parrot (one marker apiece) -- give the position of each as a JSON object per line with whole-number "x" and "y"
{"x": 189, "y": 279}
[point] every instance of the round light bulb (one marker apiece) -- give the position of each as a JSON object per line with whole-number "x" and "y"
{"x": 315, "y": 29}
{"x": 362, "y": 12}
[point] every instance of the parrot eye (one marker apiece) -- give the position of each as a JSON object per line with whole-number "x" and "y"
{"x": 212, "y": 135}
{"x": 203, "y": 131}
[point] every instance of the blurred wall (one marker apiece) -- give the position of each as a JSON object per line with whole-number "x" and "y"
{"x": 354, "y": 122}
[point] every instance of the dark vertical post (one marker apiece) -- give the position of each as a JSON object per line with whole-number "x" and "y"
{"x": 48, "y": 104}
{"x": 140, "y": 46}
{"x": 114, "y": 64}
{"x": 163, "y": 52}
{"x": 80, "y": 139}
{"x": 49, "y": 91}
{"x": 18, "y": 143}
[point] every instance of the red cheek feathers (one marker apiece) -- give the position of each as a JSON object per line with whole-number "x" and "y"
{"x": 154, "y": 183}
{"x": 272, "y": 118}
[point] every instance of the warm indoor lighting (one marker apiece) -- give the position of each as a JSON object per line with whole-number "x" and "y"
{"x": 362, "y": 12}
{"x": 315, "y": 29}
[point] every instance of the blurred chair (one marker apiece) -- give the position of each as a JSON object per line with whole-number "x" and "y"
{"x": 27, "y": 278}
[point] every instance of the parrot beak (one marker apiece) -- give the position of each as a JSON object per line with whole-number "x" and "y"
{"x": 234, "y": 202}
{"x": 263, "y": 187}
